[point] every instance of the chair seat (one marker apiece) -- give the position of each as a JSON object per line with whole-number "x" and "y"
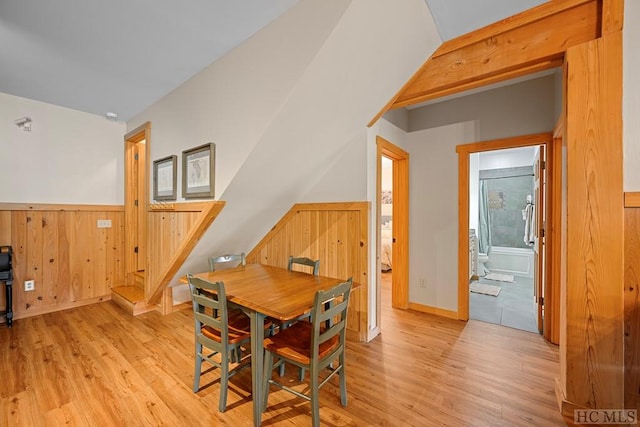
{"x": 295, "y": 343}
{"x": 239, "y": 328}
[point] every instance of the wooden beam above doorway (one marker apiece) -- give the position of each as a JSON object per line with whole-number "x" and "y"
{"x": 529, "y": 42}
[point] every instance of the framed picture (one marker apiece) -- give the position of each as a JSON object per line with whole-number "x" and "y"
{"x": 198, "y": 171}
{"x": 165, "y": 173}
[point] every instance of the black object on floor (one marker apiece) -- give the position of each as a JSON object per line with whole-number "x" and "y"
{"x": 6, "y": 276}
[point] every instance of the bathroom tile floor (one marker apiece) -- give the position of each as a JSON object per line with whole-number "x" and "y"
{"x": 513, "y": 307}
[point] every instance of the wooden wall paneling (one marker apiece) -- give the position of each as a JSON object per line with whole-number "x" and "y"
{"x": 77, "y": 255}
{"x": 594, "y": 300}
{"x": 632, "y": 308}
{"x": 59, "y": 246}
{"x": 335, "y": 233}
{"x": 173, "y": 233}
{"x": 5, "y": 228}
{"x": 64, "y": 289}
{"x": 50, "y": 262}
{"x": 18, "y": 241}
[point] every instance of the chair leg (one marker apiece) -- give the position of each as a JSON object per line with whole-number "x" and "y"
{"x": 198, "y": 368}
{"x": 315, "y": 396}
{"x": 268, "y": 371}
{"x": 224, "y": 379}
{"x": 343, "y": 382}
{"x": 282, "y": 327}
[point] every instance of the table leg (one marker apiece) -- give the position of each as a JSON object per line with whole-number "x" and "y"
{"x": 257, "y": 359}
{"x": 9, "y": 301}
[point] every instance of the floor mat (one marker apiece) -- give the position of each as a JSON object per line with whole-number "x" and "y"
{"x": 499, "y": 277}
{"x": 482, "y": 288}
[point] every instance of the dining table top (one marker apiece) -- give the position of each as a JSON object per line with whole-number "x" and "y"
{"x": 273, "y": 291}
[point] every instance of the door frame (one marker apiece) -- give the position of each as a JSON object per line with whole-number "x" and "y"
{"x": 400, "y": 229}
{"x": 136, "y": 182}
{"x": 553, "y": 216}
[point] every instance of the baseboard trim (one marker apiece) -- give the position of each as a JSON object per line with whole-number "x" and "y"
{"x": 433, "y": 310}
{"x": 59, "y": 307}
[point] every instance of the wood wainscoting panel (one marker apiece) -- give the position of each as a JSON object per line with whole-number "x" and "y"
{"x": 173, "y": 232}
{"x": 334, "y": 233}
{"x": 632, "y": 307}
{"x": 61, "y": 248}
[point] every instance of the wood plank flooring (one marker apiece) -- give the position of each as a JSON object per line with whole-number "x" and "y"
{"x": 97, "y": 365}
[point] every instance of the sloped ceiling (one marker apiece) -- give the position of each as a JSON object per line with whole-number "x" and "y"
{"x": 123, "y": 55}
{"x": 457, "y": 17}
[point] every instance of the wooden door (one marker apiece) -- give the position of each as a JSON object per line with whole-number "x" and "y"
{"x": 136, "y": 195}
{"x": 539, "y": 240}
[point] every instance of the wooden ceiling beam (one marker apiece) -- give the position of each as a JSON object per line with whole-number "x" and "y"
{"x": 531, "y": 41}
{"x": 542, "y": 41}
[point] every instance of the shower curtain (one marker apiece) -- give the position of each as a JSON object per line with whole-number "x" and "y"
{"x": 484, "y": 223}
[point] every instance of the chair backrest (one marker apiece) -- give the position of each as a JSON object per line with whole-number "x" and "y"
{"x": 315, "y": 264}
{"x": 330, "y": 306}
{"x": 226, "y": 261}
{"x": 208, "y": 298}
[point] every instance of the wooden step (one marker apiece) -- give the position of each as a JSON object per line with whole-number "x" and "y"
{"x": 138, "y": 279}
{"x": 131, "y": 298}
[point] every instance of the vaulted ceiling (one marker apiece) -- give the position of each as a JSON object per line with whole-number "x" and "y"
{"x": 123, "y": 55}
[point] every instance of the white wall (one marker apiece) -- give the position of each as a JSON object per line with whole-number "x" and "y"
{"x": 69, "y": 157}
{"x": 437, "y": 129}
{"x": 494, "y": 111}
{"x": 631, "y": 96}
{"x": 433, "y": 214}
{"x": 507, "y": 158}
{"x": 288, "y": 111}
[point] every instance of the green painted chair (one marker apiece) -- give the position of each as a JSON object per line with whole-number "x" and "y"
{"x": 304, "y": 261}
{"x": 315, "y": 269}
{"x": 226, "y": 261}
{"x": 221, "y": 334}
{"x": 313, "y": 346}
{"x": 222, "y": 262}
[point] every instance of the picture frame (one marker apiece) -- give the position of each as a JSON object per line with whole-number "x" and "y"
{"x": 165, "y": 178}
{"x": 198, "y": 171}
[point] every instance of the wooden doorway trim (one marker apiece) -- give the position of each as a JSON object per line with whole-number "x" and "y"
{"x": 463, "y": 203}
{"x": 400, "y": 231}
{"x": 136, "y": 193}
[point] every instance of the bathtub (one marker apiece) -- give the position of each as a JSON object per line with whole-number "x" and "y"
{"x": 516, "y": 261}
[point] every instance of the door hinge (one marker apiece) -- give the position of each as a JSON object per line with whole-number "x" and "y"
{"x": 135, "y": 156}
{"x": 135, "y": 203}
{"x": 135, "y": 249}
{"x": 542, "y": 232}
{"x": 541, "y": 300}
{"x": 543, "y": 164}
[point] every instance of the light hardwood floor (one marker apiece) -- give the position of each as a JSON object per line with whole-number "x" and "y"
{"x": 97, "y": 365}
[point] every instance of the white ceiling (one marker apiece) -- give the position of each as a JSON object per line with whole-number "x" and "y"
{"x": 123, "y": 55}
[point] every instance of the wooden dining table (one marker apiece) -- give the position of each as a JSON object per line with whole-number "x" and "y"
{"x": 264, "y": 291}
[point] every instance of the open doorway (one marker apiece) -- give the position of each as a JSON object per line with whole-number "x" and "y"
{"x": 503, "y": 208}
{"x": 546, "y": 187}
{"x": 396, "y": 218}
{"x": 386, "y": 229}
